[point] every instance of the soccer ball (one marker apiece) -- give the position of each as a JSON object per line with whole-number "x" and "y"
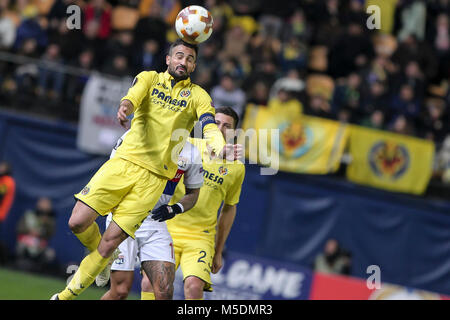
{"x": 194, "y": 24}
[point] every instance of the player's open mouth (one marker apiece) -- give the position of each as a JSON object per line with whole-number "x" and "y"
{"x": 182, "y": 68}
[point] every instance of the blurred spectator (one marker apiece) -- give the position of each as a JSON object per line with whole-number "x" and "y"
{"x": 405, "y": 102}
{"x": 319, "y": 89}
{"x": 325, "y": 17}
{"x": 26, "y": 8}
{"x": 439, "y": 38}
{"x": 291, "y": 81}
{"x": 401, "y": 125}
{"x": 7, "y": 193}
{"x": 375, "y": 98}
{"x": 259, "y": 93}
{"x": 7, "y": 30}
{"x": 286, "y": 103}
{"x": 167, "y": 9}
{"x": 353, "y": 50}
{"x": 411, "y": 49}
{"x": 263, "y": 48}
{"x": 222, "y": 13}
{"x": 207, "y": 66}
{"x": 347, "y": 96}
{"x": 25, "y": 75}
{"x": 228, "y": 94}
{"x": 50, "y": 72}
{"x": 76, "y": 83}
{"x": 34, "y": 231}
{"x": 435, "y": 120}
{"x": 443, "y": 157}
{"x": 266, "y": 72}
{"x": 230, "y": 66}
{"x": 411, "y": 75}
{"x": 333, "y": 260}
{"x": 235, "y": 43}
{"x": 117, "y": 66}
{"x": 148, "y": 58}
{"x": 33, "y": 28}
{"x": 318, "y": 106}
{"x": 121, "y": 43}
{"x": 375, "y": 120}
{"x": 7, "y": 190}
{"x": 151, "y": 26}
{"x": 97, "y": 26}
{"x": 441, "y": 41}
{"x": 97, "y": 19}
{"x": 71, "y": 42}
{"x": 296, "y": 26}
{"x": 58, "y": 13}
{"x": 293, "y": 55}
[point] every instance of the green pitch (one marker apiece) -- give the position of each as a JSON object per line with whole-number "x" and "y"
{"x": 16, "y": 285}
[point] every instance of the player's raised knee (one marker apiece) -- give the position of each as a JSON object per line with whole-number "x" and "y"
{"x": 81, "y": 218}
{"x": 76, "y": 225}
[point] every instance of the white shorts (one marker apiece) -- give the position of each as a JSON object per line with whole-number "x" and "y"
{"x": 152, "y": 245}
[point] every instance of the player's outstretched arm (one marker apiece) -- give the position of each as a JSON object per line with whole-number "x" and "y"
{"x": 125, "y": 109}
{"x": 190, "y": 198}
{"x": 167, "y": 212}
{"x": 215, "y": 139}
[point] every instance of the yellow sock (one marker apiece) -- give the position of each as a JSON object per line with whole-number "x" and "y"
{"x": 147, "y": 295}
{"x": 89, "y": 268}
{"x": 90, "y": 238}
{"x": 202, "y": 298}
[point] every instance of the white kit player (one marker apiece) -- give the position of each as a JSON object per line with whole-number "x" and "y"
{"x": 152, "y": 246}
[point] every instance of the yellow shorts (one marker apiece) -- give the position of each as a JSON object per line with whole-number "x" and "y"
{"x": 195, "y": 257}
{"x": 125, "y": 189}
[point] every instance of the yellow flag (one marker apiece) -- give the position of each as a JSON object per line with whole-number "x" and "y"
{"x": 390, "y": 161}
{"x": 301, "y": 144}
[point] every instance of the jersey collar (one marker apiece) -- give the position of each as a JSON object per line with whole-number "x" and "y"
{"x": 169, "y": 78}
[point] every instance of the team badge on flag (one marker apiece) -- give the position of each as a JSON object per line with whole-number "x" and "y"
{"x": 390, "y": 161}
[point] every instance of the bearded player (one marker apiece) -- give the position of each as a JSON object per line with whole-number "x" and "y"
{"x": 153, "y": 245}
{"x": 130, "y": 184}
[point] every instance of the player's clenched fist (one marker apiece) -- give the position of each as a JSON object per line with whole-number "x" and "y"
{"x": 125, "y": 109}
{"x": 232, "y": 152}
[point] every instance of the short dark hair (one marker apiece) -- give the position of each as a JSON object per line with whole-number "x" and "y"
{"x": 229, "y": 112}
{"x": 178, "y": 42}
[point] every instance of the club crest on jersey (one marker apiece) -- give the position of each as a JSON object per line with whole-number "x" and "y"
{"x": 185, "y": 93}
{"x": 120, "y": 259}
{"x": 223, "y": 171}
{"x": 182, "y": 162}
{"x": 85, "y": 190}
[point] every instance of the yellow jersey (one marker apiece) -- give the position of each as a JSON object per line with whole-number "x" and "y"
{"x": 164, "y": 114}
{"x": 222, "y": 182}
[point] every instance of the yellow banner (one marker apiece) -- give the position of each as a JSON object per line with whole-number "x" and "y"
{"x": 302, "y": 144}
{"x": 390, "y": 161}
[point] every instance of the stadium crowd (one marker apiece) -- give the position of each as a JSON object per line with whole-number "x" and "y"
{"x": 316, "y": 57}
